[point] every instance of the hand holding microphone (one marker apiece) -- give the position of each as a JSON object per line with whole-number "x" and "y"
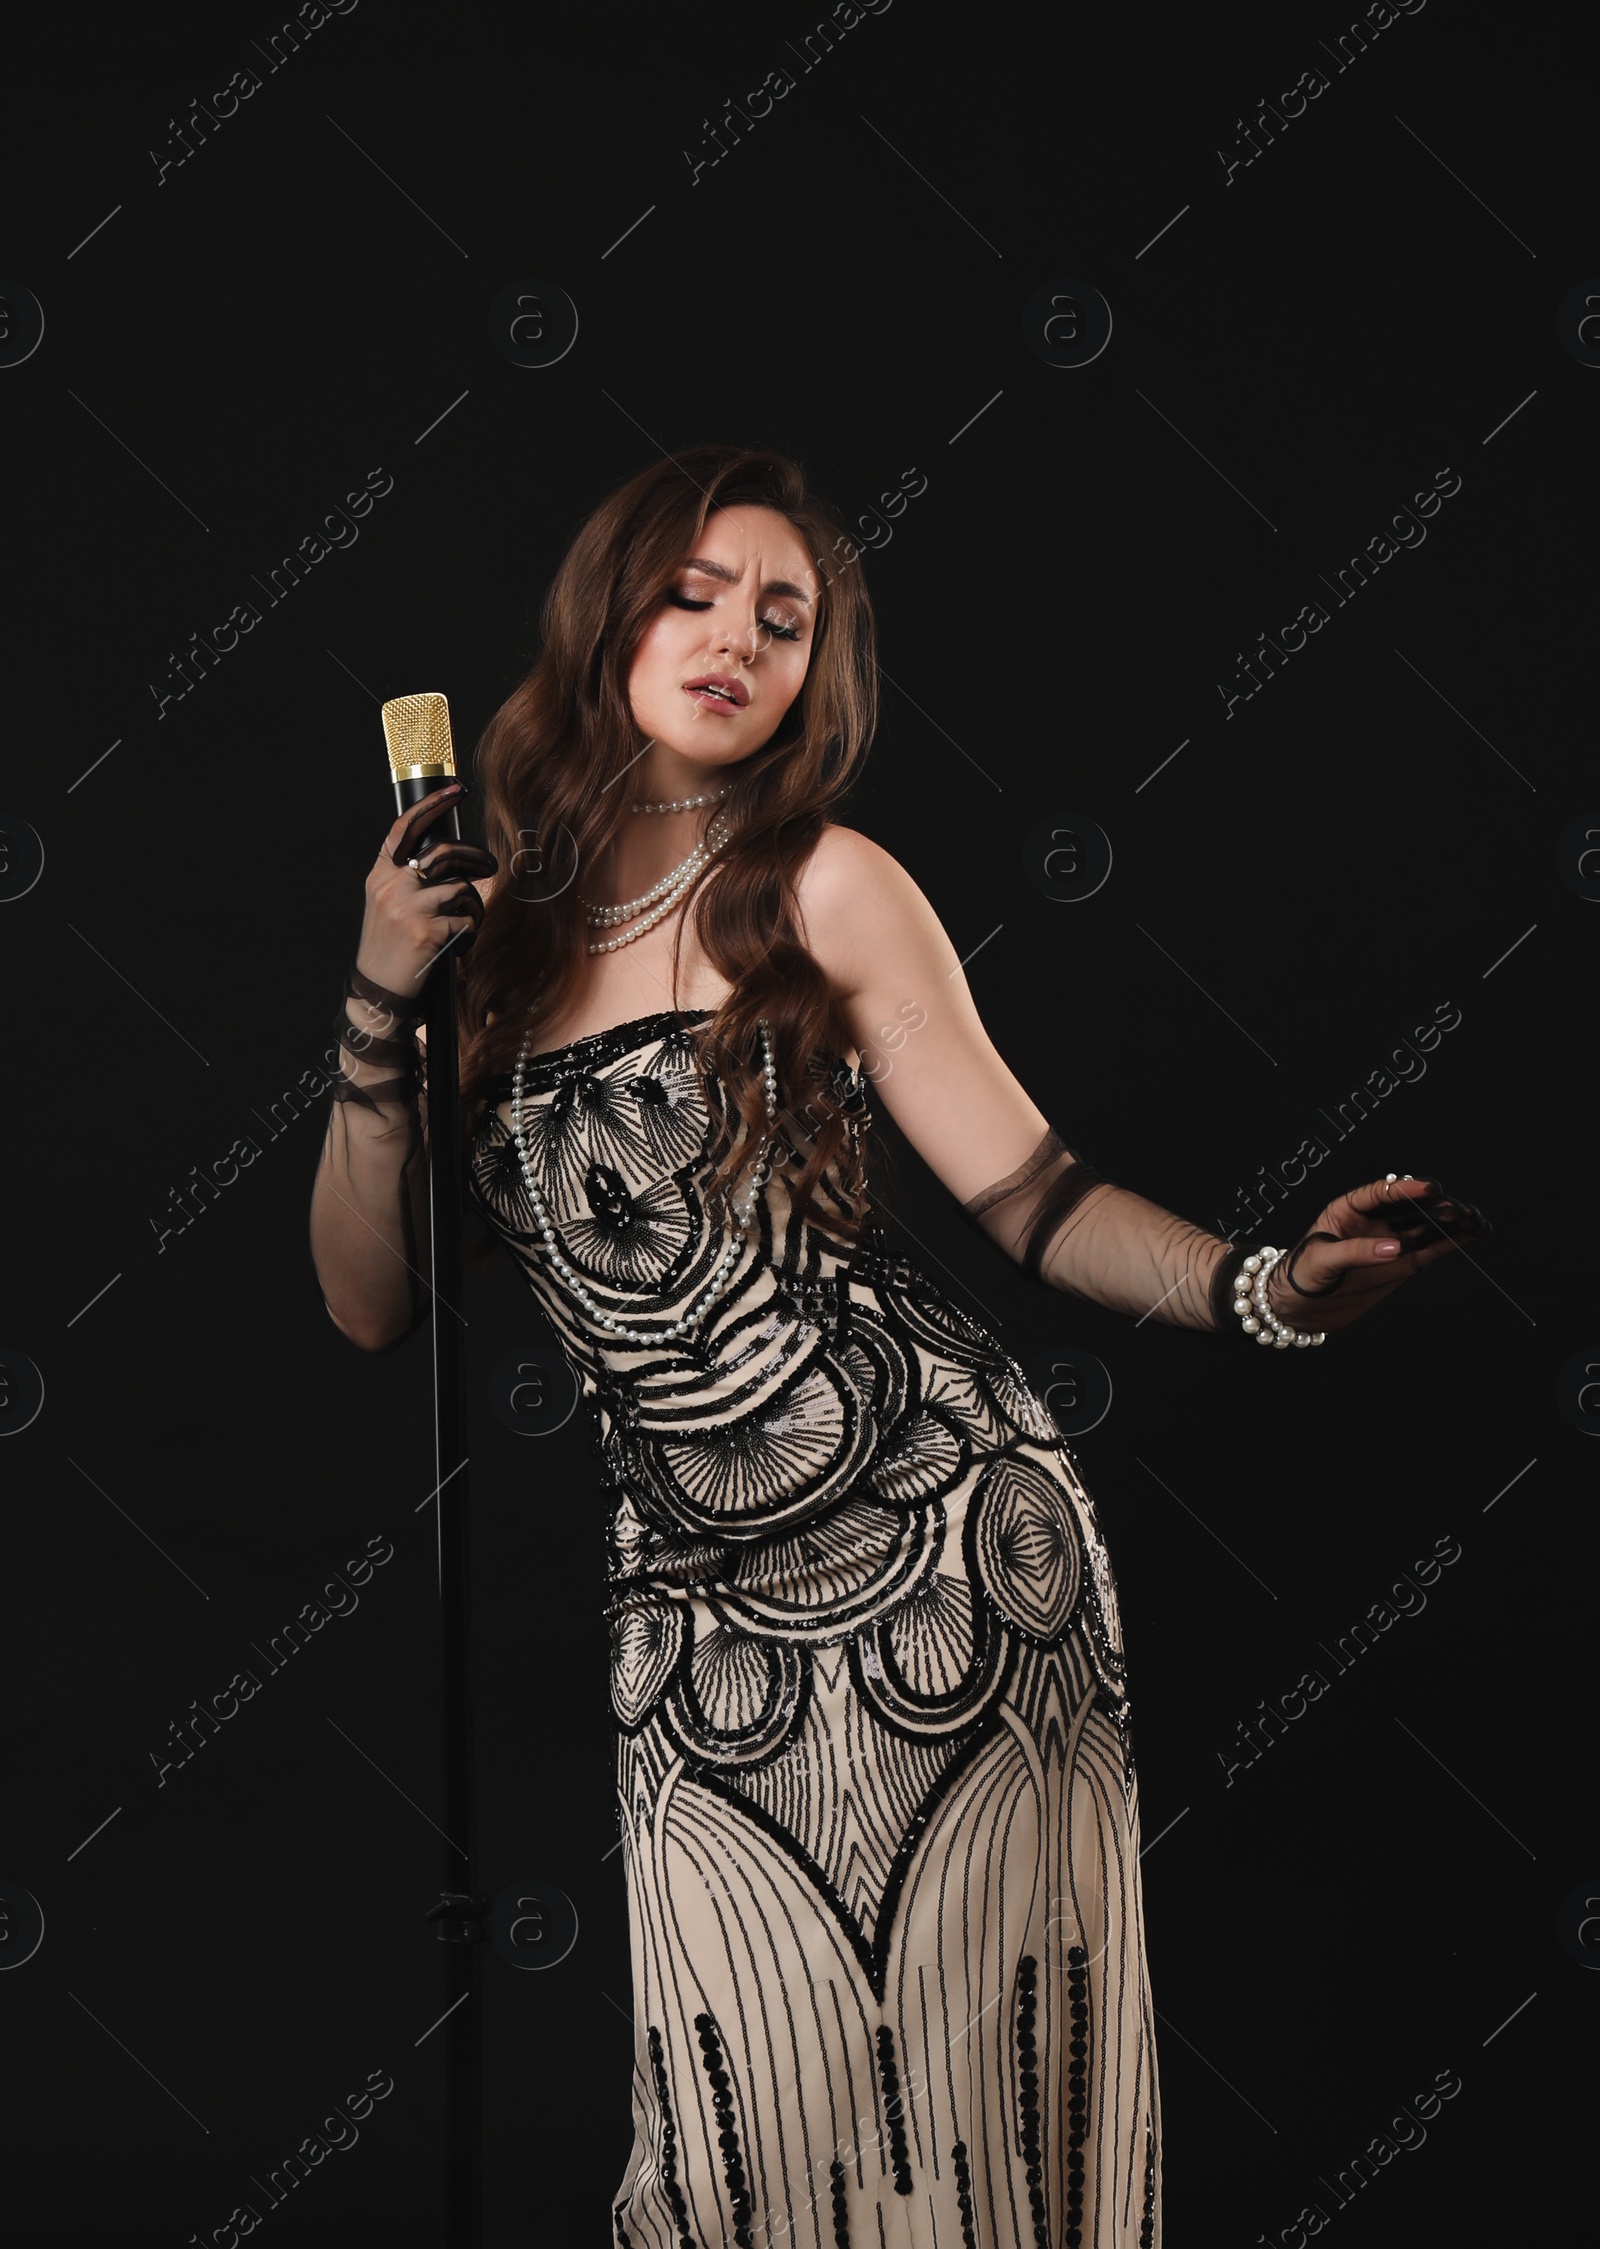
{"x": 418, "y": 902}
{"x": 420, "y": 895}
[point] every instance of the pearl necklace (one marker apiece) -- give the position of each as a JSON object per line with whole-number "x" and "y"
{"x": 662, "y": 896}
{"x": 686, "y": 804}
{"x": 574, "y": 1282}
{"x": 606, "y": 917}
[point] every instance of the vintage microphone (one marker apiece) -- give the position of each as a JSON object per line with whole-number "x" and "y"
{"x": 422, "y": 759}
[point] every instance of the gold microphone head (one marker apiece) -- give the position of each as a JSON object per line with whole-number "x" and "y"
{"x": 417, "y": 730}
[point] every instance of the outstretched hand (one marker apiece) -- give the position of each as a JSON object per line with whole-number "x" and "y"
{"x": 1364, "y": 1245}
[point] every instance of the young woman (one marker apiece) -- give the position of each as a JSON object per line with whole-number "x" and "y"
{"x": 874, "y": 1771}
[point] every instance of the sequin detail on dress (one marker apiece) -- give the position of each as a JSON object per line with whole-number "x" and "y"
{"x": 668, "y": 2145}
{"x": 875, "y": 1783}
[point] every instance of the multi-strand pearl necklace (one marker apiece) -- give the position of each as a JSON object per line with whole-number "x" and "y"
{"x": 573, "y": 1281}
{"x": 659, "y": 900}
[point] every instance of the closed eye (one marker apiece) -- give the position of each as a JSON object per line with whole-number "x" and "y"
{"x": 773, "y": 625}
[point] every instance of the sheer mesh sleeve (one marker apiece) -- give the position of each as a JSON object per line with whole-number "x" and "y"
{"x": 375, "y": 1167}
{"x": 1069, "y": 1228}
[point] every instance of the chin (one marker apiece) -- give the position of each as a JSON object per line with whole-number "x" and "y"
{"x": 689, "y": 742}
{"x": 710, "y": 743}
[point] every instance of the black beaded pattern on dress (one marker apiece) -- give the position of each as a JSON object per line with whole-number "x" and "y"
{"x": 893, "y": 2109}
{"x": 1147, "y": 2218}
{"x": 870, "y": 1701}
{"x": 669, "y": 2143}
{"x": 1028, "y": 2092}
{"x": 727, "y": 2129}
{"x": 958, "y": 2156}
{"x": 1077, "y": 2076}
{"x": 841, "y": 2208}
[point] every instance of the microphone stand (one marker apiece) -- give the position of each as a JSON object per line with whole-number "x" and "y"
{"x": 459, "y": 1913}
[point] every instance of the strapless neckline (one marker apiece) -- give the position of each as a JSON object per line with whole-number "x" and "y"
{"x": 620, "y": 1039}
{"x": 645, "y": 1026}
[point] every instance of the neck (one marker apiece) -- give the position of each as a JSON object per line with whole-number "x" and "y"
{"x": 664, "y": 776}
{"x": 646, "y": 848}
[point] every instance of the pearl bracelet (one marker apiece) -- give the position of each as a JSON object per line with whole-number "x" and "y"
{"x": 1257, "y": 1315}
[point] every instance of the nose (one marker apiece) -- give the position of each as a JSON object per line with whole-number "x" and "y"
{"x": 739, "y": 641}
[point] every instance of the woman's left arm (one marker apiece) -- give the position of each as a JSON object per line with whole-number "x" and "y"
{"x": 901, "y": 994}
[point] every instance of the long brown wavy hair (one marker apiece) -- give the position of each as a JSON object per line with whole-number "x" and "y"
{"x": 548, "y": 756}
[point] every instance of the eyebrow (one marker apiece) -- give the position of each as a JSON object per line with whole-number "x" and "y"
{"x": 731, "y": 578}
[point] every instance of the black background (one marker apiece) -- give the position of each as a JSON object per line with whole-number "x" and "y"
{"x": 1373, "y": 837}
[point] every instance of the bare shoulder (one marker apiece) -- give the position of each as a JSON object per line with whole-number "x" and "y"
{"x": 861, "y": 910}
{"x": 839, "y": 847}
{"x": 846, "y": 871}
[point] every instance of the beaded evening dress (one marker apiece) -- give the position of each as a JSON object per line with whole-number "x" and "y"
{"x": 875, "y": 1781}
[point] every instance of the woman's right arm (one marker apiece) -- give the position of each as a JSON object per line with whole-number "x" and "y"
{"x": 369, "y": 1205}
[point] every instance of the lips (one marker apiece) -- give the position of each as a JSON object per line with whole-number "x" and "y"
{"x": 717, "y": 691}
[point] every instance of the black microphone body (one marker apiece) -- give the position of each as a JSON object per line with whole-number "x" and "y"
{"x": 410, "y": 790}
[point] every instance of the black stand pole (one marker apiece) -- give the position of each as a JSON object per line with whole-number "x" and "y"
{"x": 465, "y": 1935}
{"x": 460, "y": 1910}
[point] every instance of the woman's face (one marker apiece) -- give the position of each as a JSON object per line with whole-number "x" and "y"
{"x": 724, "y": 658}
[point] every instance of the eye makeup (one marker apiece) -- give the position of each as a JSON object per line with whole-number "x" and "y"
{"x": 774, "y": 625}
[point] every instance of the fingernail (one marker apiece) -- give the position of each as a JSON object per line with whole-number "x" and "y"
{"x": 1386, "y": 1249}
